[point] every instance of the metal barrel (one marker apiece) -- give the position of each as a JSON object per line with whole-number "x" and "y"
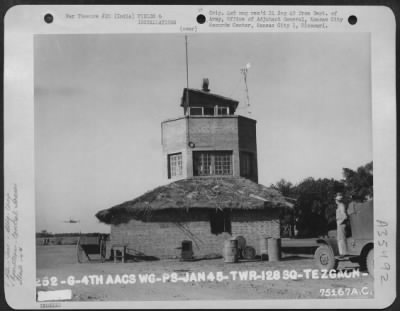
{"x": 264, "y": 248}
{"x": 231, "y": 251}
{"x": 187, "y": 250}
{"x": 274, "y": 249}
{"x": 241, "y": 245}
{"x": 249, "y": 252}
{"x": 241, "y": 241}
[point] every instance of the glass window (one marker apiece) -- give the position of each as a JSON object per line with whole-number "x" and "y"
{"x": 223, "y": 163}
{"x": 223, "y": 111}
{"x": 174, "y": 165}
{"x": 202, "y": 163}
{"x": 208, "y": 111}
{"x": 206, "y": 163}
{"x": 196, "y": 111}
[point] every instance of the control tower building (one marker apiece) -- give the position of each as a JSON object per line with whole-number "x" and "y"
{"x": 209, "y": 139}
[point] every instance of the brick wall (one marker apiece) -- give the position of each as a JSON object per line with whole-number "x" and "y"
{"x": 173, "y": 135}
{"x": 163, "y": 239}
{"x": 173, "y": 139}
{"x": 214, "y": 133}
{"x": 233, "y": 133}
{"x": 255, "y": 225}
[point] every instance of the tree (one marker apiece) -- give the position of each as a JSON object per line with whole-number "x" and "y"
{"x": 315, "y": 206}
{"x": 358, "y": 184}
{"x": 286, "y": 188}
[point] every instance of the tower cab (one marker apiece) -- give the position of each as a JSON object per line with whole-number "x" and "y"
{"x": 203, "y": 103}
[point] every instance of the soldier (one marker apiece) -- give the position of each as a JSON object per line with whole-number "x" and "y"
{"x": 341, "y": 217}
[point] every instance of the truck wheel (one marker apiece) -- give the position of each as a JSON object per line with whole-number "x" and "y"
{"x": 324, "y": 258}
{"x": 370, "y": 262}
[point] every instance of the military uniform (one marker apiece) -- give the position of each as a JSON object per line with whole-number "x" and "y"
{"x": 341, "y": 216}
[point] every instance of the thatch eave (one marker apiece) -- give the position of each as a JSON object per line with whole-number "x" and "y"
{"x": 198, "y": 193}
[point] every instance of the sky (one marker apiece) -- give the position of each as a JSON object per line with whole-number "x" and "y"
{"x": 100, "y": 100}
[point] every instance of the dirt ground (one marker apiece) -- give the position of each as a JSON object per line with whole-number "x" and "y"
{"x": 106, "y": 281}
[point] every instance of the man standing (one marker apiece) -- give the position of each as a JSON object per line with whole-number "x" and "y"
{"x": 341, "y": 217}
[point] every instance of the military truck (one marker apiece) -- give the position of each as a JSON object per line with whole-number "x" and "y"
{"x": 360, "y": 245}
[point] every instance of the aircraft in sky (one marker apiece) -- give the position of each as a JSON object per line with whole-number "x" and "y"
{"x": 71, "y": 221}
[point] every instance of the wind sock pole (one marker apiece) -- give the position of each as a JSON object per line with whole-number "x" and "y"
{"x": 244, "y": 72}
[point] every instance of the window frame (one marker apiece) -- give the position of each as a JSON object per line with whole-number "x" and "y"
{"x": 210, "y": 108}
{"x": 219, "y": 162}
{"x": 178, "y": 165}
{"x": 190, "y": 111}
{"x": 216, "y": 111}
{"x": 222, "y": 108}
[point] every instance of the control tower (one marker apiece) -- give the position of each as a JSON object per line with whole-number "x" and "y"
{"x": 209, "y": 139}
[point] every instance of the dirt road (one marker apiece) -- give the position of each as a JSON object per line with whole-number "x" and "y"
{"x": 203, "y": 279}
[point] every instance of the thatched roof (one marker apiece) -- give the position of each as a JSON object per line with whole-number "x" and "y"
{"x": 199, "y": 193}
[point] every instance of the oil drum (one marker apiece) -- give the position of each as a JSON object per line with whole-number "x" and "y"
{"x": 274, "y": 249}
{"x": 241, "y": 245}
{"x": 230, "y": 251}
{"x": 264, "y": 248}
{"x": 249, "y": 252}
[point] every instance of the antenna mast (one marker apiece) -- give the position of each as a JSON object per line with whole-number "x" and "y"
{"x": 187, "y": 94}
{"x": 187, "y": 77}
{"x": 244, "y": 73}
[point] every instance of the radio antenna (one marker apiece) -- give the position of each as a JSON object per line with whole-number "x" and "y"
{"x": 244, "y": 73}
{"x": 187, "y": 77}
{"x": 187, "y": 95}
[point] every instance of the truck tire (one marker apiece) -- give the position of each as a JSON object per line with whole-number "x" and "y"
{"x": 324, "y": 258}
{"x": 370, "y": 262}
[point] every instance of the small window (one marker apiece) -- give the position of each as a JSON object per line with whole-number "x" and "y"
{"x": 223, "y": 111}
{"x": 174, "y": 165}
{"x": 196, "y": 111}
{"x": 208, "y": 111}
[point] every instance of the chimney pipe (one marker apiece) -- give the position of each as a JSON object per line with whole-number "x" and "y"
{"x": 205, "y": 85}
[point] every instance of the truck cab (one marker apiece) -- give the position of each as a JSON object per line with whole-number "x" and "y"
{"x": 360, "y": 245}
